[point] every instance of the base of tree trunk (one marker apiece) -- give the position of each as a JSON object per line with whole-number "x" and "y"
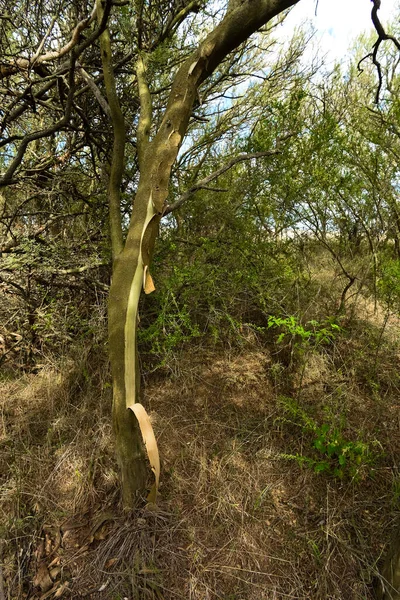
{"x": 388, "y": 586}
{"x": 131, "y": 458}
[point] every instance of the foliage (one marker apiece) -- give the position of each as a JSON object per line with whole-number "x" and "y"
{"x": 319, "y": 332}
{"x": 389, "y": 283}
{"x": 168, "y": 331}
{"x": 235, "y": 264}
{"x": 328, "y": 450}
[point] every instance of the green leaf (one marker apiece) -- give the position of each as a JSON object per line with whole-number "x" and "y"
{"x": 321, "y": 467}
{"x": 319, "y": 445}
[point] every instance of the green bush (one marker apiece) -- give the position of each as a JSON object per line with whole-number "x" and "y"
{"x": 313, "y": 332}
{"x": 328, "y": 450}
{"x": 388, "y": 285}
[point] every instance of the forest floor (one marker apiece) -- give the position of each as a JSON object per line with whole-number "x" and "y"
{"x": 243, "y": 513}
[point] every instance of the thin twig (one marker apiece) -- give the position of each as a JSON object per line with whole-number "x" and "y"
{"x": 203, "y": 183}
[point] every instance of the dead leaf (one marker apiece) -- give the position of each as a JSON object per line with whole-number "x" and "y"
{"x": 97, "y": 531}
{"x": 50, "y": 592}
{"x": 40, "y": 552}
{"x": 55, "y": 572}
{"x": 110, "y": 563}
{"x": 43, "y": 579}
{"x": 54, "y": 562}
{"x": 49, "y": 544}
{"x": 148, "y": 571}
{"x": 101, "y": 534}
{"x": 63, "y": 588}
{"x": 148, "y": 283}
{"x": 103, "y": 587}
{"x": 73, "y": 523}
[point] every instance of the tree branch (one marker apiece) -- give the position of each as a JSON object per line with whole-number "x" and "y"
{"x": 96, "y": 92}
{"x": 143, "y": 129}
{"x": 13, "y": 113}
{"x": 234, "y": 29}
{"x": 76, "y": 270}
{"x": 175, "y": 20}
{"x": 25, "y": 63}
{"x": 202, "y": 184}
{"x": 7, "y": 178}
{"x": 382, "y": 36}
{"x": 118, "y": 124}
{"x": 16, "y": 241}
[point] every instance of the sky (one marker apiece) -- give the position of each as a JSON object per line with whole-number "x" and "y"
{"x": 338, "y": 22}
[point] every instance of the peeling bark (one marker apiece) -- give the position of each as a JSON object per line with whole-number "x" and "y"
{"x": 131, "y": 266}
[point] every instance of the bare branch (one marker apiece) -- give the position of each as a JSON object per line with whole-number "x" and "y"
{"x": 202, "y": 184}
{"x": 7, "y": 178}
{"x": 7, "y": 69}
{"x": 118, "y": 123}
{"x": 16, "y": 241}
{"x": 77, "y": 270}
{"x": 175, "y": 20}
{"x": 96, "y": 92}
{"x": 382, "y": 36}
{"x": 42, "y": 43}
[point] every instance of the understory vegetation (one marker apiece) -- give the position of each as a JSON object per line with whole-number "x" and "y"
{"x": 279, "y": 439}
{"x": 269, "y": 350}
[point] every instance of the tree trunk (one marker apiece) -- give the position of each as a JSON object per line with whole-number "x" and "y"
{"x": 129, "y": 274}
{"x": 131, "y": 263}
{"x": 388, "y": 587}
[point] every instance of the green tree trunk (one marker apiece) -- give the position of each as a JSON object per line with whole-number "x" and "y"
{"x": 132, "y": 259}
{"x": 128, "y": 278}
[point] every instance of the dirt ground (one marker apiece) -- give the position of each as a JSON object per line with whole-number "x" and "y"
{"x": 242, "y": 514}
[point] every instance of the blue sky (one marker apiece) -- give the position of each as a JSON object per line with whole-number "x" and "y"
{"x": 338, "y": 22}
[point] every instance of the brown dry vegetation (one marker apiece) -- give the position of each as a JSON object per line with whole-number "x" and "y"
{"x": 239, "y": 517}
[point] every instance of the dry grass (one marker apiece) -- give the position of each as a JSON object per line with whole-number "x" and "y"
{"x": 236, "y": 520}
{"x": 56, "y": 457}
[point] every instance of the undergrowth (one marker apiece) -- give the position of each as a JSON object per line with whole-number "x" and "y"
{"x": 327, "y": 450}
{"x": 277, "y": 428}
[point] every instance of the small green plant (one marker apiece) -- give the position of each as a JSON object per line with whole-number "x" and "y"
{"x": 172, "y": 327}
{"x": 328, "y": 451}
{"x": 303, "y": 340}
{"x": 313, "y": 332}
{"x": 337, "y": 454}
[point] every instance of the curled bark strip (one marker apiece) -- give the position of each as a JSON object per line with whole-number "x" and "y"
{"x": 150, "y": 443}
{"x": 148, "y": 283}
{"x": 141, "y": 278}
{"x": 132, "y": 316}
